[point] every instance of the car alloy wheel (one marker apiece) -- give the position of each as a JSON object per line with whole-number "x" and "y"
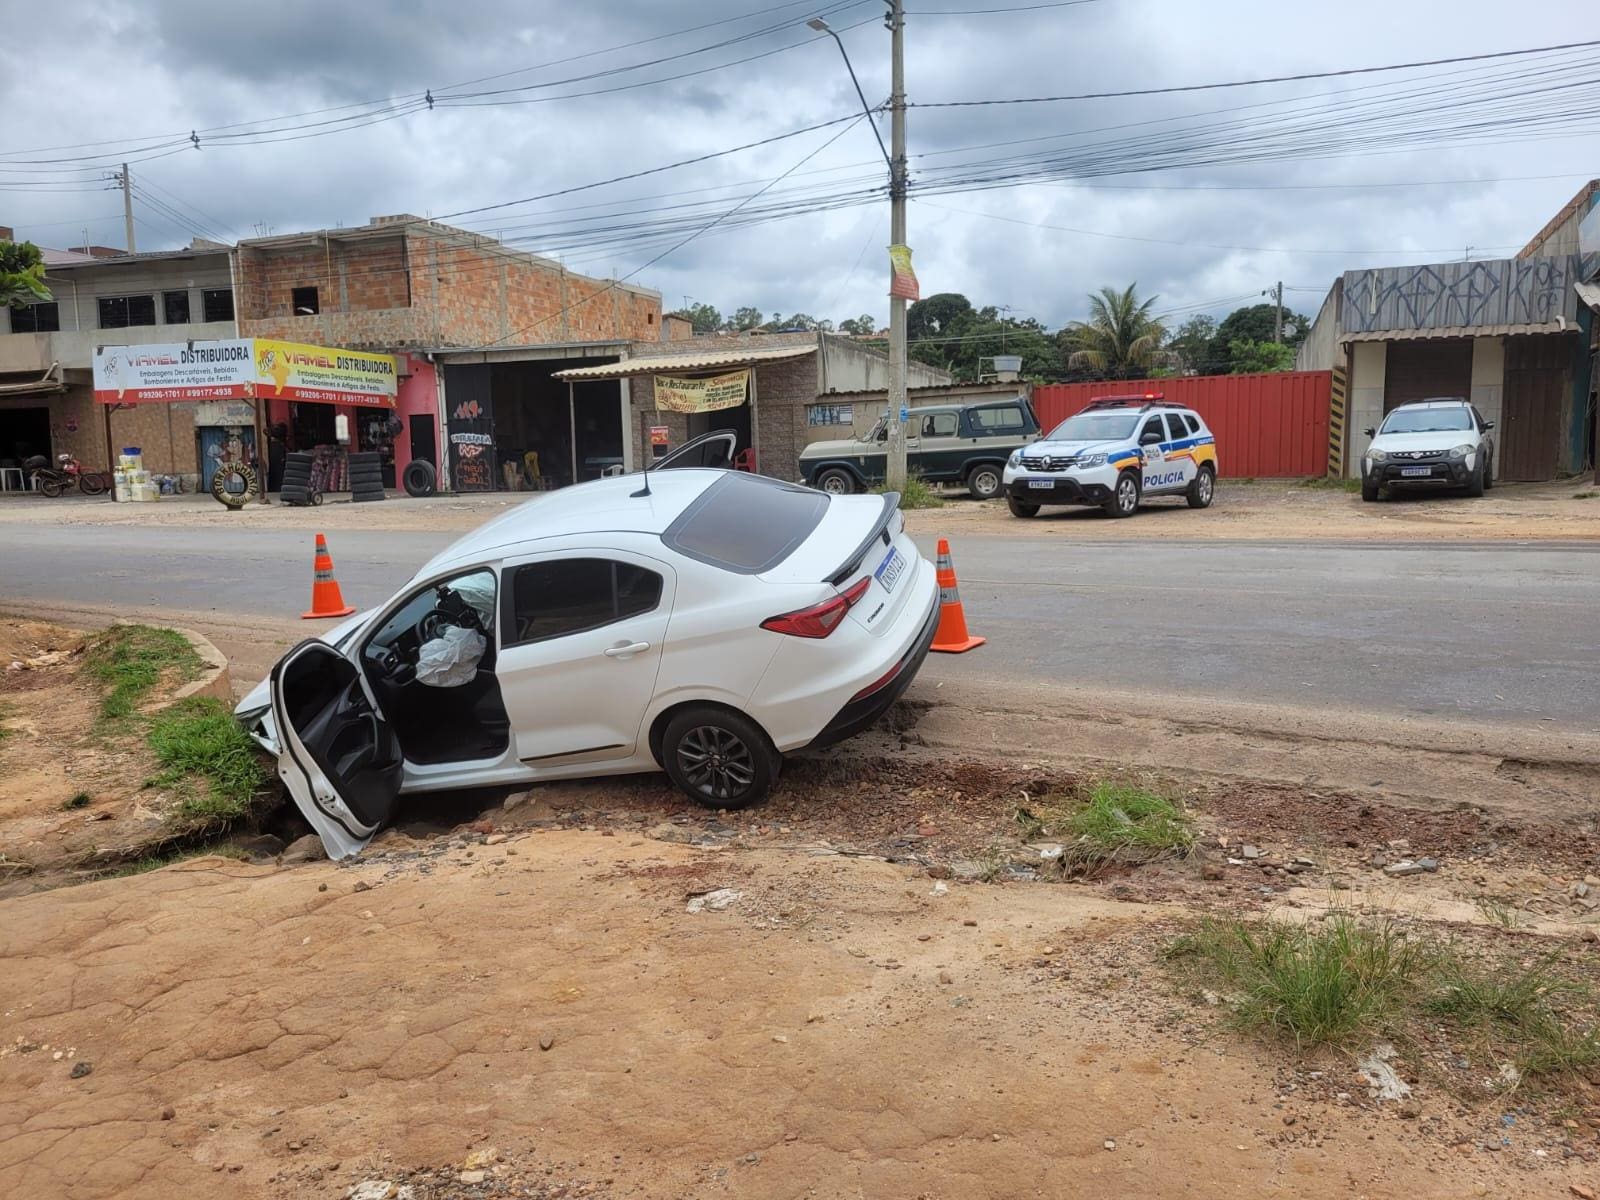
{"x": 716, "y": 762}
{"x": 1127, "y": 495}
{"x": 836, "y": 483}
{"x": 984, "y": 483}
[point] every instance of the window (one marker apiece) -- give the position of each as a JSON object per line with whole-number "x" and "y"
{"x": 1152, "y": 432}
{"x": 1427, "y": 420}
{"x": 746, "y": 523}
{"x": 217, "y": 304}
{"x": 1095, "y": 427}
{"x": 176, "y": 307}
{"x": 830, "y": 414}
{"x": 468, "y": 597}
{"x": 1192, "y": 421}
{"x": 1004, "y": 418}
{"x": 36, "y": 318}
{"x": 122, "y": 312}
{"x": 939, "y": 425}
{"x": 570, "y": 595}
{"x": 1175, "y": 427}
{"x": 303, "y": 302}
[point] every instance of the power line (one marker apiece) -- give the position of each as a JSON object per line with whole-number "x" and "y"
{"x": 1305, "y": 75}
{"x": 973, "y": 12}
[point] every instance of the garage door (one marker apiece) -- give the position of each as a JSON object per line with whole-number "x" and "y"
{"x": 1530, "y": 427}
{"x": 1425, "y": 370}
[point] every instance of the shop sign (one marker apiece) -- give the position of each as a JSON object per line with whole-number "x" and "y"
{"x": 174, "y": 372}
{"x": 675, "y": 394}
{"x": 324, "y": 376}
{"x": 659, "y": 435}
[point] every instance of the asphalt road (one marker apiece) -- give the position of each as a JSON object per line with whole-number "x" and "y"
{"x": 1495, "y": 632}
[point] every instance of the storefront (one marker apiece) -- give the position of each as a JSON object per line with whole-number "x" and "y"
{"x": 254, "y": 391}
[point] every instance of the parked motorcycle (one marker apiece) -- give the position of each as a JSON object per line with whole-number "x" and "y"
{"x": 53, "y": 481}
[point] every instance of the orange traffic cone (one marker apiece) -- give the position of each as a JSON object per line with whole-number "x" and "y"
{"x": 952, "y": 636}
{"x": 326, "y": 600}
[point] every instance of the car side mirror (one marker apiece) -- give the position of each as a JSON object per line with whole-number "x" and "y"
{"x": 1488, "y": 425}
{"x": 1150, "y": 439}
{"x": 1370, "y": 431}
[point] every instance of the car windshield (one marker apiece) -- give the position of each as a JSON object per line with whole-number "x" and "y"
{"x": 746, "y": 523}
{"x": 1095, "y": 427}
{"x": 1426, "y": 420}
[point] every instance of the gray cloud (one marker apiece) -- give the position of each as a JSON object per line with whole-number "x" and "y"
{"x": 125, "y": 71}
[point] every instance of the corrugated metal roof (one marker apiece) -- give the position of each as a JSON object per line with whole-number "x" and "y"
{"x": 704, "y": 360}
{"x": 1459, "y": 331}
{"x": 1589, "y": 293}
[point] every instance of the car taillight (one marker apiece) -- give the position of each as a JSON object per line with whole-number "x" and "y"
{"x": 819, "y": 620}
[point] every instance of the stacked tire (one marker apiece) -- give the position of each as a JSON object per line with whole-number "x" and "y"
{"x": 366, "y": 477}
{"x": 296, "y": 487}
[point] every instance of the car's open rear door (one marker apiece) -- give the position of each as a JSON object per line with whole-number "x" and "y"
{"x": 340, "y": 760}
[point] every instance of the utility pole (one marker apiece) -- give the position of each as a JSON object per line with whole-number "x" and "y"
{"x": 896, "y": 466}
{"x": 126, "y": 183}
{"x": 1277, "y": 324}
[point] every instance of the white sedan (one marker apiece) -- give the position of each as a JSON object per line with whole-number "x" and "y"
{"x": 703, "y": 626}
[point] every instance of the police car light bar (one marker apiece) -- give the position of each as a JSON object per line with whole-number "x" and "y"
{"x": 1144, "y": 398}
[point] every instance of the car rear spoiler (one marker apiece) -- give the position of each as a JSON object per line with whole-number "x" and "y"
{"x": 852, "y": 564}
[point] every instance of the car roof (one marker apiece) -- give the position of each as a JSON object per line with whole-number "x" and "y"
{"x": 1435, "y": 402}
{"x": 954, "y": 407}
{"x": 602, "y": 505}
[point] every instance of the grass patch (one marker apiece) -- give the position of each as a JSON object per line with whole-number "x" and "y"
{"x": 1585, "y": 495}
{"x": 1346, "y": 980}
{"x": 79, "y": 800}
{"x": 1497, "y": 912}
{"x": 1327, "y": 484}
{"x": 212, "y": 761}
{"x": 1110, "y": 822}
{"x": 917, "y": 493}
{"x": 165, "y": 858}
{"x": 1316, "y": 984}
{"x": 128, "y": 661}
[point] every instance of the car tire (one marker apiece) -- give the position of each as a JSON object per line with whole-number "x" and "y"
{"x": 1202, "y": 489}
{"x": 983, "y": 481}
{"x": 419, "y": 478}
{"x": 1488, "y": 472}
{"x": 836, "y": 482}
{"x": 1124, "y": 500}
{"x": 1369, "y": 491}
{"x": 1475, "y": 484}
{"x": 746, "y": 763}
{"x": 1021, "y": 508}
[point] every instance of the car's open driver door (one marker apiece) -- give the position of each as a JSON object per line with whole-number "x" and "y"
{"x": 340, "y": 760}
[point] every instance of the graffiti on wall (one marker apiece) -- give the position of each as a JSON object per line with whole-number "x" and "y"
{"x": 1507, "y": 291}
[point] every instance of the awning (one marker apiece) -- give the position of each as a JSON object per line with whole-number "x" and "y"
{"x": 673, "y": 364}
{"x": 47, "y": 384}
{"x": 1589, "y": 293}
{"x": 1460, "y": 331}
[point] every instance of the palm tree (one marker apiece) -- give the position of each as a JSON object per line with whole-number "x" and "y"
{"x": 1120, "y": 339}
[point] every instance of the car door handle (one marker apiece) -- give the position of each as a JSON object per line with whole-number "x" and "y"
{"x": 626, "y": 649}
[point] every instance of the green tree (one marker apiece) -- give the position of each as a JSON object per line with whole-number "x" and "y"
{"x": 1119, "y": 340}
{"x": 21, "y": 275}
{"x": 863, "y": 324}
{"x": 745, "y": 319}
{"x": 1252, "y": 358}
{"x": 704, "y": 317}
{"x": 1191, "y": 344}
{"x": 1256, "y": 323}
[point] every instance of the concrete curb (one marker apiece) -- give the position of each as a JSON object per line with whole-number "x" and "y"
{"x": 214, "y": 680}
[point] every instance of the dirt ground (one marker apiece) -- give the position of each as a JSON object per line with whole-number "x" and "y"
{"x": 1267, "y": 509}
{"x": 73, "y": 794}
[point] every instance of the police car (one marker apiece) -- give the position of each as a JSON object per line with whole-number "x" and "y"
{"x": 1117, "y": 451}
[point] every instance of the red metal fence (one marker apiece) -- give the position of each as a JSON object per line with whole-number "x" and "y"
{"x": 1266, "y": 425}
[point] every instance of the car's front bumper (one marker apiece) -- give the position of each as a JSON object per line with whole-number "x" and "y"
{"x": 863, "y": 711}
{"x": 1443, "y": 473}
{"x": 1057, "y": 489}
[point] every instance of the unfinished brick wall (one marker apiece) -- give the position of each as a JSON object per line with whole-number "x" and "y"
{"x": 431, "y": 287}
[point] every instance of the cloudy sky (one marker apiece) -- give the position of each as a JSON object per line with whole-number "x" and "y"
{"x": 313, "y": 113}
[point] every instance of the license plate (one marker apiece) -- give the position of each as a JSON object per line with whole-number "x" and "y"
{"x": 1416, "y": 470}
{"x": 890, "y": 569}
{"x": 1041, "y": 483}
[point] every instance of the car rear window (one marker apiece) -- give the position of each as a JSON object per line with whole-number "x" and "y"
{"x": 746, "y": 523}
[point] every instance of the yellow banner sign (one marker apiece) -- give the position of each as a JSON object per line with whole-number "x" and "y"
{"x": 675, "y": 394}
{"x": 324, "y": 375}
{"x": 902, "y": 276}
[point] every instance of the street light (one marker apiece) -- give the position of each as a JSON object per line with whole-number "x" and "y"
{"x": 897, "y": 395}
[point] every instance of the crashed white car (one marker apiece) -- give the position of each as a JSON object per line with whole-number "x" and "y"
{"x": 704, "y": 627}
